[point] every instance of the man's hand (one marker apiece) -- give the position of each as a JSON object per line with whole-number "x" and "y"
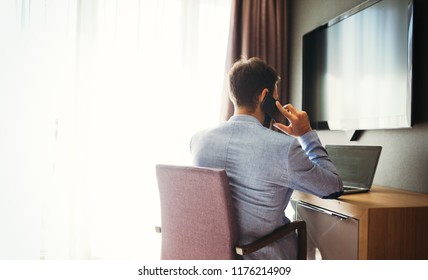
{"x": 299, "y": 121}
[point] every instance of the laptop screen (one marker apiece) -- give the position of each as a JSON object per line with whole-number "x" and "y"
{"x": 356, "y": 164}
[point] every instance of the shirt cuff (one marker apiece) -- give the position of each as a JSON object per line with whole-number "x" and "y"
{"x": 308, "y": 138}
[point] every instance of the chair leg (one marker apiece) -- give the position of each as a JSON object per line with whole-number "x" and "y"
{"x": 302, "y": 244}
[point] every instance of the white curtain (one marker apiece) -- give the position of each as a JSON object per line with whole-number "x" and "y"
{"x": 93, "y": 94}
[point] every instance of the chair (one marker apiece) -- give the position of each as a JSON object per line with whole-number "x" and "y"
{"x": 197, "y": 217}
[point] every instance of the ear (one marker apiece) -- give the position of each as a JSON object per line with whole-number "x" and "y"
{"x": 263, "y": 94}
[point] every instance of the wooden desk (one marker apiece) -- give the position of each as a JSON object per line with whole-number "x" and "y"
{"x": 392, "y": 224}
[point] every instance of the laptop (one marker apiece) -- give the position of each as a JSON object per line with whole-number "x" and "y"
{"x": 356, "y": 165}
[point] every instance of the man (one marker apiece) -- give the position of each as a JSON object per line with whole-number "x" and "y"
{"x": 265, "y": 166}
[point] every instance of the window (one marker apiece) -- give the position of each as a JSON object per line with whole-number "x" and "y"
{"x": 94, "y": 94}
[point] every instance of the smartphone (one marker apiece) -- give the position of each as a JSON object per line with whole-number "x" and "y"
{"x": 269, "y": 107}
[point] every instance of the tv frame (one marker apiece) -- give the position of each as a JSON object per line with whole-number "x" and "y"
{"x": 323, "y": 124}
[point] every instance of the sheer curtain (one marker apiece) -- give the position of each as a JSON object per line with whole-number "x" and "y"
{"x": 93, "y": 95}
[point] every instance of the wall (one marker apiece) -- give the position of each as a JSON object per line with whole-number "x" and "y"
{"x": 404, "y": 160}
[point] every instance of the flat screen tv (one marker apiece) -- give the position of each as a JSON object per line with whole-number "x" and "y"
{"x": 357, "y": 68}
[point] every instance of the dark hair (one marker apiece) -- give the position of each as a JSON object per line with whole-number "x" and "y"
{"x": 248, "y": 78}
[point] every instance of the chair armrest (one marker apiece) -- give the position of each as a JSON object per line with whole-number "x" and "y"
{"x": 277, "y": 234}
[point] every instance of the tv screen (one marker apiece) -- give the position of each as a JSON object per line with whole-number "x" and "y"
{"x": 357, "y": 68}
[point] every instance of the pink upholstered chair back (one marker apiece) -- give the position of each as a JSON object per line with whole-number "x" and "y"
{"x": 196, "y": 213}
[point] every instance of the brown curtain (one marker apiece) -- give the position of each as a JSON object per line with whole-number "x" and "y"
{"x": 258, "y": 28}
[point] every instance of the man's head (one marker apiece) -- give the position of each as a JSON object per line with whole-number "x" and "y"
{"x": 247, "y": 80}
